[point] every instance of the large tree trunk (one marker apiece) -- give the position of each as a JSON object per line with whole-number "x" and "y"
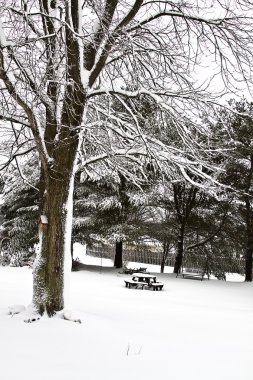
{"x": 118, "y": 259}
{"x": 54, "y": 259}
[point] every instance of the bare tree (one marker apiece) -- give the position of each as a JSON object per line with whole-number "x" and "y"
{"x": 59, "y": 57}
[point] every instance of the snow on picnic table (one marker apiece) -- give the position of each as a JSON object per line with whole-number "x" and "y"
{"x": 194, "y": 329}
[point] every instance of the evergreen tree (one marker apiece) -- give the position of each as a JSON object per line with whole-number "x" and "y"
{"x": 108, "y": 209}
{"x": 20, "y": 211}
{"x": 239, "y": 172}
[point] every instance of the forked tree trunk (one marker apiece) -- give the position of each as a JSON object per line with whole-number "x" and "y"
{"x": 53, "y": 263}
{"x": 118, "y": 259}
{"x": 54, "y": 260}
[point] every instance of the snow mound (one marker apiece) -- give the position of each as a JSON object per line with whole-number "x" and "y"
{"x": 70, "y": 316}
{"x": 16, "y": 309}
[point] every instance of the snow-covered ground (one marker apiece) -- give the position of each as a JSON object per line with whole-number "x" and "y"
{"x": 191, "y": 329}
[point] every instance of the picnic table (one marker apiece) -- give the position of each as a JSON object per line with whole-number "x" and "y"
{"x": 144, "y": 280}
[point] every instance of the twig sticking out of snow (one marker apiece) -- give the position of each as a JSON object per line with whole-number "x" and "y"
{"x": 33, "y": 318}
{"x": 133, "y": 351}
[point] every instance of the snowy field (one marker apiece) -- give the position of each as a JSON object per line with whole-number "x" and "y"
{"x": 191, "y": 329}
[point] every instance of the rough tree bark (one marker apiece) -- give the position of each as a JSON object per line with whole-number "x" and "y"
{"x": 54, "y": 259}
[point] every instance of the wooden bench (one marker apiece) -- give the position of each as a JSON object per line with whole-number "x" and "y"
{"x": 135, "y": 284}
{"x": 197, "y": 274}
{"x": 135, "y": 270}
{"x": 156, "y": 286}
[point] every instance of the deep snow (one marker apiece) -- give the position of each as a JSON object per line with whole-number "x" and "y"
{"x": 193, "y": 329}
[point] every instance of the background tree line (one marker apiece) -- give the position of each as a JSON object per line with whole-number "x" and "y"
{"x": 187, "y": 218}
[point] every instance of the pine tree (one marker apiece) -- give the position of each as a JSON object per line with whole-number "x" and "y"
{"x": 239, "y": 172}
{"x": 20, "y": 211}
{"x": 108, "y": 209}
